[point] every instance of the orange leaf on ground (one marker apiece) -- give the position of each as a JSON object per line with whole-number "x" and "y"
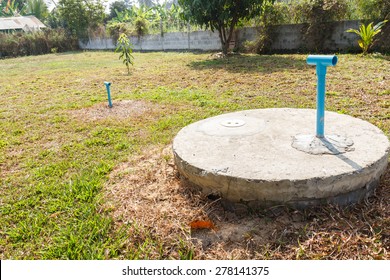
{"x": 202, "y": 225}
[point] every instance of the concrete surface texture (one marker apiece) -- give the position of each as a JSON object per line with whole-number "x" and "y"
{"x": 195, "y": 40}
{"x": 329, "y": 144}
{"x": 247, "y": 158}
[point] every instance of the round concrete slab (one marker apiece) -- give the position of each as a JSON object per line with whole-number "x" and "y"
{"x": 248, "y": 158}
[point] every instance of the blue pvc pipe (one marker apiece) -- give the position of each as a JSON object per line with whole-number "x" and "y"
{"x": 108, "y": 84}
{"x": 321, "y": 62}
{"x": 320, "y": 106}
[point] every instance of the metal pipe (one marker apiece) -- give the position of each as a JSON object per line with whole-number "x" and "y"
{"x": 321, "y": 62}
{"x": 108, "y": 84}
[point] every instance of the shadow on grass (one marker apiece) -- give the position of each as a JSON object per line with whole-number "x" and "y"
{"x": 381, "y": 56}
{"x": 252, "y": 63}
{"x": 65, "y": 53}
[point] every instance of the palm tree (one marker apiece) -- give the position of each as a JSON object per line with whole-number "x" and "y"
{"x": 38, "y": 8}
{"x": 143, "y": 16}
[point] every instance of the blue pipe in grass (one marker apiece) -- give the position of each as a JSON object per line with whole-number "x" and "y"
{"x": 321, "y": 62}
{"x": 108, "y": 84}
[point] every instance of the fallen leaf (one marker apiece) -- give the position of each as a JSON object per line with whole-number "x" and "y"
{"x": 202, "y": 225}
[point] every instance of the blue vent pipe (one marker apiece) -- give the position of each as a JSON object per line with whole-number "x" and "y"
{"x": 108, "y": 84}
{"x": 321, "y": 62}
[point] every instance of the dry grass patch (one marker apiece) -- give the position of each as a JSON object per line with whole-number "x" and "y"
{"x": 146, "y": 195}
{"x": 121, "y": 109}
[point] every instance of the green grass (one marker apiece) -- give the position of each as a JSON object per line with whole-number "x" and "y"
{"x": 54, "y": 163}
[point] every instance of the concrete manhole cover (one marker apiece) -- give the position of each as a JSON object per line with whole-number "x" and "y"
{"x": 255, "y": 164}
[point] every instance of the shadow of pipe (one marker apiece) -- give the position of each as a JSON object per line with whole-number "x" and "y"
{"x": 339, "y": 154}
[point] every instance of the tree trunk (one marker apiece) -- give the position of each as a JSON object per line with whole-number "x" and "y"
{"x": 224, "y": 41}
{"x": 226, "y": 38}
{"x": 225, "y": 48}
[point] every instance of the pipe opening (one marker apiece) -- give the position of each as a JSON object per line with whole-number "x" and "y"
{"x": 334, "y": 60}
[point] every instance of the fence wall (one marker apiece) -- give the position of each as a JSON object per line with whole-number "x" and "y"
{"x": 195, "y": 40}
{"x": 287, "y": 38}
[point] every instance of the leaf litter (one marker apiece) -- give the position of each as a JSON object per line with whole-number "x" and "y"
{"x": 146, "y": 194}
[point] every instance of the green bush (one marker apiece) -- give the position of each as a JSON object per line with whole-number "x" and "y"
{"x": 373, "y": 9}
{"x": 319, "y": 17}
{"x": 367, "y": 34}
{"x": 271, "y": 14}
{"x": 114, "y": 29}
{"x": 141, "y": 26}
{"x": 35, "y": 43}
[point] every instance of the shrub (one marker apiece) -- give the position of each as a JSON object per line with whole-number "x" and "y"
{"x": 271, "y": 14}
{"x": 141, "y": 27}
{"x": 367, "y": 34}
{"x": 35, "y": 43}
{"x": 320, "y": 16}
{"x": 114, "y": 29}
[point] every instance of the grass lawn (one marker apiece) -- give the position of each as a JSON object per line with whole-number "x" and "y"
{"x": 81, "y": 181}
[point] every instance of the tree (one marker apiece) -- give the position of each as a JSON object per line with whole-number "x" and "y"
{"x": 54, "y": 19}
{"x": 125, "y": 47}
{"x": 79, "y": 15}
{"x": 220, "y": 15}
{"x": 38, "y": 8}
{"x": 143, "y": 16}
{"x": 117, "y": 6}
{"x": 12, "y": 8}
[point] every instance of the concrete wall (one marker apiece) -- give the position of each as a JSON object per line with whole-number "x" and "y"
{"x": 97, "y": 44}
{"x": 341, "y": 39}
{"x": 196, "y": 40}
{"x": 287, "y": 38}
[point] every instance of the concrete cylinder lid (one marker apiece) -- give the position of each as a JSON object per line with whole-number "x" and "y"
{"x": 248, "y": 157}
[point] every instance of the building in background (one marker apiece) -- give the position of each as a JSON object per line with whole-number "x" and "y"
{"x": 20, "y": 24}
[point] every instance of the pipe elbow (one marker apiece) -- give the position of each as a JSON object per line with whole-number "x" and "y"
{"x": 323, "y": 60}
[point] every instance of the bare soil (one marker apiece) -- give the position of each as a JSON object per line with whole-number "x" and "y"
{"x": 121, "y": 109}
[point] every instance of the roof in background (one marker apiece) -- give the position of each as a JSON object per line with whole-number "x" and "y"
{"x": 27, "y": 23}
